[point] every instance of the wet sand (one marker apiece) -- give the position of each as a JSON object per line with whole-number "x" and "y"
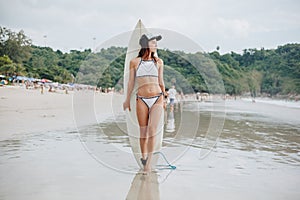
{"x": 257, "y": 156}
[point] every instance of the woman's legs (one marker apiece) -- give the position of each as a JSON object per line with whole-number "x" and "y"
{"x": 142, "y": 115}
{"x": 148, "y": 121}
{"x": 154, "y": 119}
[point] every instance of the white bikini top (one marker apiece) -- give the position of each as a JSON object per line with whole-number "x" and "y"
{"x": 147, "y": 68}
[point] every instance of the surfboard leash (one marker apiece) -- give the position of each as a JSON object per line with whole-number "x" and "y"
{"x": 164, "y": 157}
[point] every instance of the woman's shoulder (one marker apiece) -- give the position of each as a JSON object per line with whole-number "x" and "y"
{"x": 159, "y": 60}
{"x": 135, "y": 60}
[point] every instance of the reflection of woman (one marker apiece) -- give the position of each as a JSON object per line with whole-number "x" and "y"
{"x": 147, "y": 70}
{"x": 144, "y": 187}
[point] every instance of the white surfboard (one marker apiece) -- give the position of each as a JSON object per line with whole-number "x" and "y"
{"x": 131, "y": 118}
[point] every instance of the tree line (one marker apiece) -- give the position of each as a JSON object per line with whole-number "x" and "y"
{"x": 255, "y": 71}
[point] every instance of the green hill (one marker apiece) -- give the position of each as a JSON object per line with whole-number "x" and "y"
{"x": 268, "y": 71}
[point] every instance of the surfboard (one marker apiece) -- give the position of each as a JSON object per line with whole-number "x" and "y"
{"x": 131, "y": 117}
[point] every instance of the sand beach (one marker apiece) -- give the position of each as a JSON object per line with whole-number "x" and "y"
{"x": 25, "y": 111}
{"x": 72, "y": 146}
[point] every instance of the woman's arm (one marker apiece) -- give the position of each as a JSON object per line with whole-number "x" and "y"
{"x": 161, "y": 76}
{"x": 130, "y": 85}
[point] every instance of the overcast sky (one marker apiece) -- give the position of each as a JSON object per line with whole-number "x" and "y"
{"x": 233, "y": 25}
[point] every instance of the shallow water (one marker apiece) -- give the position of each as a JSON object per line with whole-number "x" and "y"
{"x": 257, "y": 156}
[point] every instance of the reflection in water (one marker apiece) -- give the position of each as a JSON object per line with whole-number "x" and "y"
{"x": 244, "y": 131}
{"x": 144, "y": 187}
{"x": 170, "y": 127}
{"x": 10, "y": 148}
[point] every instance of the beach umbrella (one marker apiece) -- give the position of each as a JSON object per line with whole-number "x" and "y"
{"x": 21, "y": 78}
{"x": 32, "y": 79}
{"x": 55, "y": 84}
{"x": 44, "y": 80}
{"x": 4, "y": 82}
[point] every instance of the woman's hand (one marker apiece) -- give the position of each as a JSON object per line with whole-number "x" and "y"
{"x": 165, "y": 96}
{"x": 126, "y": 104}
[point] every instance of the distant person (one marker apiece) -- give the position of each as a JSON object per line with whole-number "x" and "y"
{"x": 197, "y": 96}
{"x": 42, "y": 89}
{"x": 172, "y": 95}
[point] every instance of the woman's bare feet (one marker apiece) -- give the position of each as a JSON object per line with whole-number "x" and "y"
{"x": 144, "y": 161}
{"x": 147, "y": 168}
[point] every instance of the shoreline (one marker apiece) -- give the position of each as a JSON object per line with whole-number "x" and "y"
{"x": 24, "y": 111}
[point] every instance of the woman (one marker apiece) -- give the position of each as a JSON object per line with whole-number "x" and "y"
{"x": 147, "y": 70}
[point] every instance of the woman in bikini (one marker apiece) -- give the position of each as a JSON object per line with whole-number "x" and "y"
{"x": 147, "y": 70}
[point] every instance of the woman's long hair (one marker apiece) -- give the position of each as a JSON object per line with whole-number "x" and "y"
{"x": 144, "y": 52}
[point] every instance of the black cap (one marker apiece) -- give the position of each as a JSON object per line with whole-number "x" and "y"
{"x": 148, "y": 37}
